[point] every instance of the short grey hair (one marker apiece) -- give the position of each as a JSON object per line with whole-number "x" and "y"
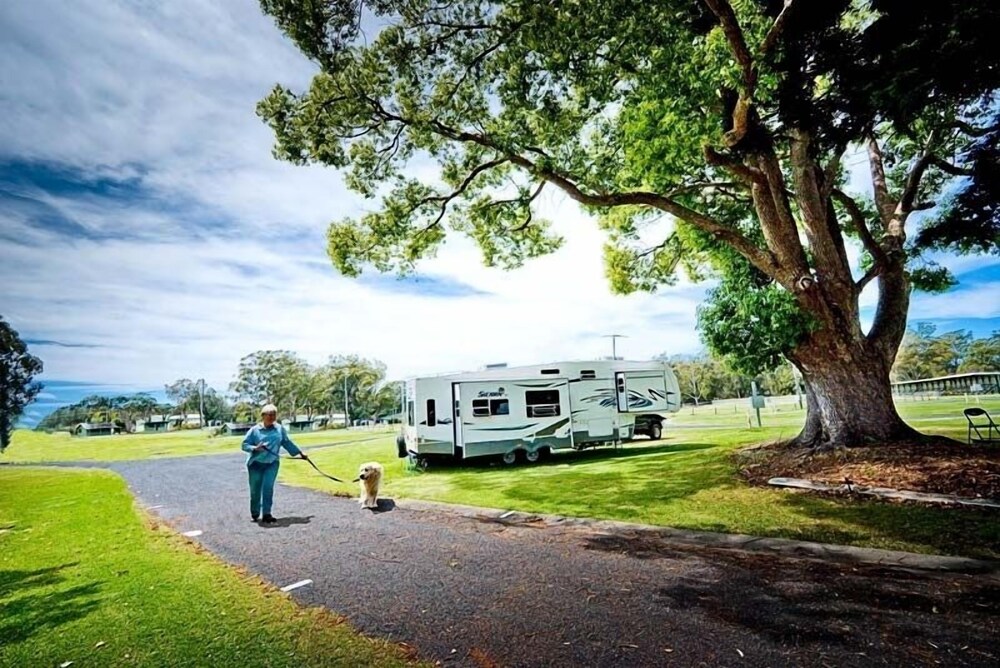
{"x": 269, "y": 408}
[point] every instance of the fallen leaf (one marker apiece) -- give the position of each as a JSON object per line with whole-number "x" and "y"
{"x": 100, "y": 644}
{"x": 739, "y": 651}
{"x": 65, "y": 664}
{"x": 668, "y": 650}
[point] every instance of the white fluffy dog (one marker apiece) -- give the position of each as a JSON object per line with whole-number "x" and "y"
{"x": 370, "y": 475}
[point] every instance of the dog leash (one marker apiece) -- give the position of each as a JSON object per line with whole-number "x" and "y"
{"x": 325, "y": 475}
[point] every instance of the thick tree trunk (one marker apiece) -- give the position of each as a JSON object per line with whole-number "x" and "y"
{"x": 848, "y": 397}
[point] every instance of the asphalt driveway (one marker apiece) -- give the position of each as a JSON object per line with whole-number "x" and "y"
{"x": 471, "y": 592}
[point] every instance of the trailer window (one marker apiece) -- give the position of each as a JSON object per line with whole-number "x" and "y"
{"x": 542, "y": 403}
{"x": 488, "y": 407}
{"x": 550, "y": 372}
{"x": 431, "y": 414}
{"x": 588, "y": 374}
{"x": 409, "y": 413}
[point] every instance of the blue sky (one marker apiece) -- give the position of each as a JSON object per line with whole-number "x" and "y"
{"x": 149, "y": 235}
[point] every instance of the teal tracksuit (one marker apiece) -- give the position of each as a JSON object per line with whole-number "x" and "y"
{"x": 262, "y": 466}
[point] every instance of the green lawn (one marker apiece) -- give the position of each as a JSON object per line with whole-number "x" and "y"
{"x": 84, "y": 579}
{"x": 38, "y": 447}
{"x": 687, "y": 480}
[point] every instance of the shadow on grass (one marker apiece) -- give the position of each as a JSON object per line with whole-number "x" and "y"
{"x": 797, "y": 602}
{"x": 28, "y": 606}
{"x": 562, "y": 458}
{"x": 972, "y": 532}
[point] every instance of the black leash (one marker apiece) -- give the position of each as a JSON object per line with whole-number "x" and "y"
{"x": 320, "y": 472}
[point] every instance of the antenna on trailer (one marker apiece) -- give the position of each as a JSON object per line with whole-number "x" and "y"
{"x": 614, "y": 341}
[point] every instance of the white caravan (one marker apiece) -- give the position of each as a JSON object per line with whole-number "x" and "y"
{"x": 533, "y": 410}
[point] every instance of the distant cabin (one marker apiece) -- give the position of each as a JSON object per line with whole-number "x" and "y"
{"x": 237, "y": 428}
{"x": 301, "y": 423}
{"x": 155, "y": 424}
{"x": 96, "y": 429}
{"x": 188, "y": 421}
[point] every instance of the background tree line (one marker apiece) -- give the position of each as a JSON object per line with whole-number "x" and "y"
{"x": 704, "y": 378}
{"x": 342, "y": 385}
{"x": 927, "y": 354}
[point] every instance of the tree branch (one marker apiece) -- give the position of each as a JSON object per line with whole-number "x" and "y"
{"x": 874, "y": 271}
{"x": 858, "y": 220}
{"x": 969, "y": 129}
{"x": 775, "y": 32}
{"x": 882, "y": 200}
{"x": 757, "y": 256}
{"x": 949, "y": 168}
{"x": 734, "y": 34}
{"x": 905, "y": 205}
{"x": 745, "y": 173}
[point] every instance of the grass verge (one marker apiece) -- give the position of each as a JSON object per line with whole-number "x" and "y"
{"x": 84, "y": 578}
{"x": 33, "y": 447}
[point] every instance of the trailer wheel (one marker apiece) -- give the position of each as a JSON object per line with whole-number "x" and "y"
{"x": 532, "y": 456}
{"x": 510, "y": 457}
{"x": 655, "y": 431}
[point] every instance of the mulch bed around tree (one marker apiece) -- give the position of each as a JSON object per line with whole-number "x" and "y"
{"x": 941, "y": 466}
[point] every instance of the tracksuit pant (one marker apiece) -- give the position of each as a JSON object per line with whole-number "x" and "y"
{"x": 262, "y": 477}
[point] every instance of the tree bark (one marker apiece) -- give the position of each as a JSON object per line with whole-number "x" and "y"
{"x": 848, "y": 395}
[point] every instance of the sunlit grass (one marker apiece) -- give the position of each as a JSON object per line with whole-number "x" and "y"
{"x": 83, "y": 579}
{"x": 686, "y": 480}
{"x": 36, "y": 447}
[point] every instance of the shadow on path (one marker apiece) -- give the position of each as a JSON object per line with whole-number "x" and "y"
{"x": 283, "y": 522}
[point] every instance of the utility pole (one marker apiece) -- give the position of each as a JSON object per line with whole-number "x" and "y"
{"x": 347, "y": 408}
{"x": 614, "y": 340}
{"x": 201, "y": 403}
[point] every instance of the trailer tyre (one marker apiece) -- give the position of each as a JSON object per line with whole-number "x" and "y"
{"x": 655, "y": 431}
{"x": 533, "y": 456}
{"x": 509, "y": 458}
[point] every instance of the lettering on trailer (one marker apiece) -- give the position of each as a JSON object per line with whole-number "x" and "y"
{"x": 488, "y": 393}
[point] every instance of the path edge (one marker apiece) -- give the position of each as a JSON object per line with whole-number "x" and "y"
{"x": 785, "y": 547}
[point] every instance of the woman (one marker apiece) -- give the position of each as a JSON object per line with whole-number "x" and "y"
{"x": 263, "y": 443}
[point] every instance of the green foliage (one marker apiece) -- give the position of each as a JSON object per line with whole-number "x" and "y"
{"x": 751, "y": 322}
{"x": 279, "y": 377}
{"x": 969, "y": 220}
{"x": 982, "y": 355}
{"x": 18, "y": 388}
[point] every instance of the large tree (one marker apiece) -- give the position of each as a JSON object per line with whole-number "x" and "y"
{"x": 274, "y": 376}
{"x": 18, "y": 387}
{"x": 706, "y": 134}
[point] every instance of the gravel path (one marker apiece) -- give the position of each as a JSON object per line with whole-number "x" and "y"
{"x": 486, "y": 593}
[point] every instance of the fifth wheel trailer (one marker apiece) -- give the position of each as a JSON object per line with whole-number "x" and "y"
{"x": 533, "y": 410}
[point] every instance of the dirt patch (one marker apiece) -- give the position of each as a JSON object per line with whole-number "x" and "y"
{"x": 942, "y": 467}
